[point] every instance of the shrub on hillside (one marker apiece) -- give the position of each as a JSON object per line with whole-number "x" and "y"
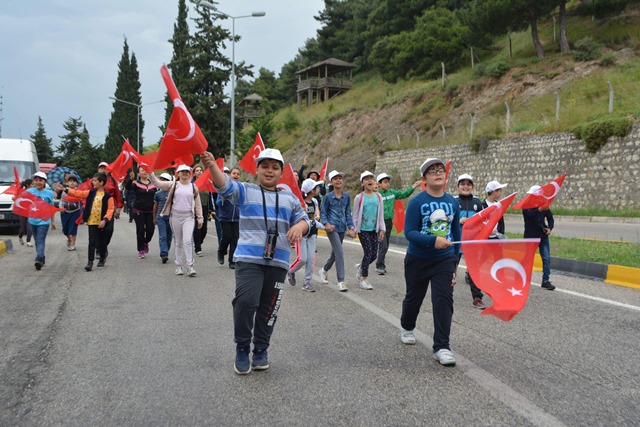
{"x": 492, "y": 69}
{"x": 602, "y": 8}
{"x": 290, "y": 121}
{"x": 586, "y": 49}
{"x": 596, "y": 133}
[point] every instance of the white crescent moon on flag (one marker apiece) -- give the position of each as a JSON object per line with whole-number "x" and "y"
{"x": 20, "y": 200}
{"x": 126, "y": 156}
{"x": 509, "y": 263}
{"x": 556, "y": 188}
{"x": 177, "y": 103}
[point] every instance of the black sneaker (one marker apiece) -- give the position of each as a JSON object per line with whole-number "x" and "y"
{"x": 38, "y": 265}
{"x": 101, "y": 262}
{"x": 232, "y": 265}
{"x": 165, "y": 259}
{"x": 242, "y": 365}
{"x": 220, "y": 259}
{"x": 547, "y": 285}
{"x": 260, "y": 360}
{"x": 89, "y": 266}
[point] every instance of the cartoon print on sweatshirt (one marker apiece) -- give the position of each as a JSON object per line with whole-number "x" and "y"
{"x": 436, "y": 219}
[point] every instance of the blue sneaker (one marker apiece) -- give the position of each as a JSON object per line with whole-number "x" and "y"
{"x": 242, "y": 365}
{"x": 260, "y": 360}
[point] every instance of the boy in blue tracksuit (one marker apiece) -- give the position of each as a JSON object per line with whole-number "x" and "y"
{"x": 270, "y": 220}
{"x": 432, "y": 223}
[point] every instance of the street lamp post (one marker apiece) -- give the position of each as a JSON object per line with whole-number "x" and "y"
{"x": 139, "y": 106}
{"x": 233, "y": 70}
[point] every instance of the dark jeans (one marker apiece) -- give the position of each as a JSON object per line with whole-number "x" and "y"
{"x": 418, "y": 273}
{"x": 164, "y": 234}
{"x": 230, "y": 236}
{"x": 384, "y": 245}
{"x": 257, "y": 302}
{"x": 144, "y": 228}
{"x": 40, "y": 236}
{"x": 545, "y": 254}
{"x": 200, "y": 233}
{"x": 97, "y": 242}
{"x": 108, "y": 231}
{"x": 475, "y": 291}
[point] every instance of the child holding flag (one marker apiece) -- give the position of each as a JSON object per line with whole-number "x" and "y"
{"x": 432, "y": 224}
{"x": 269, "y": 220}
{"x": 25, "y": 228}
{"x": 72, "y": 210}
{"x": 538, "y": 223}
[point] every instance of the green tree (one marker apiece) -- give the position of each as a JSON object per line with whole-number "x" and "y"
{"x": 87, "y": 157}
{"x": 263, "y": 125}
{"x": 124, "y": 117}
{"x": 43, "y": 144}
{"x": 70, "y": 143}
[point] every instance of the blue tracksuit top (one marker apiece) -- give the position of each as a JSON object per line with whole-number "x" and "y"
{"x": 337, "y": 211}
{"x": 253, "y": 234}
{"x": 428, "y": 217}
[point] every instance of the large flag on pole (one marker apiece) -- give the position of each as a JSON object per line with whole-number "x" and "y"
{"x": 183, "y": 136}
{"x": 32, "y": 206}
{"x": 502, "y": 269}
{"x": 480, "y": 225}
{"x": 123, "y": 162}
{"x": 15, "y": 187}
{"x": 324, "y": 169}
{"x": 248, "y": 162}
{"x": 543, "y": 196}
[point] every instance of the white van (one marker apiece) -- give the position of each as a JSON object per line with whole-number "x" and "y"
{"x": 20, "y": 153}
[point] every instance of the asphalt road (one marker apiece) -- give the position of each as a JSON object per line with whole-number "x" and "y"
{"x": 132, "y": 344}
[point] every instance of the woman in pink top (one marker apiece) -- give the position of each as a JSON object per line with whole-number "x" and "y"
{"x": 184, "y": 207}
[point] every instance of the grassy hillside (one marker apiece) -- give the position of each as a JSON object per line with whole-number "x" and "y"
{"x": 413, "y": 112}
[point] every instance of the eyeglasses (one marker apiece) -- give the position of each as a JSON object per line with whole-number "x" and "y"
{"x": 436, "y": 171}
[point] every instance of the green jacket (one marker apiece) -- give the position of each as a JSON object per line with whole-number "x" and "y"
{"x": 389, "y": 198}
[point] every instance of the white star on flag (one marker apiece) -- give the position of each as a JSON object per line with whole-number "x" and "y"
{"x": 515, "y": 292}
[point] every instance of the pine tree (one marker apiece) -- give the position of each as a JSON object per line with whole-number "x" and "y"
{"x": 87, "y": 156}
{"x": 43, "y": 144}
{"x": 70, "y": 143}
{"x": 123, "y": 122}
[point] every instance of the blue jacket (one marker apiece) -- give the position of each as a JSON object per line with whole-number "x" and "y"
{"x": 227, "y": 211}
{"x": 337, "y": 211}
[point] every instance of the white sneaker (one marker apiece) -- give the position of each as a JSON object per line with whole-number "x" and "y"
{"x": 199, "y": 253}
{"x": 365, "y": 285}
{"x": 191, "y": 271}
{"x": 358, "y": 274}
{"x": 323, "y": 276}
{"x": 30, "y": 244}
{"x": 342, "y": 287}
{"x": 179, "y": 271}
{"x": 407, "y": 337}
{"x": 445, "y": 357}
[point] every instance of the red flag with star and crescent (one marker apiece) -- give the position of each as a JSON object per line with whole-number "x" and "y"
{"x": 480, "y": 225}
{"x": 183, "y": 136}
{"x": 543, "y": 197}
{"x": 15, "y": 187}
{"x": 288, "y": 182}
{"x": 204, "y": 182}
{"x": 325, "y": 168}
{"x": 123, "y": 162}
{"x": 398, "y": 216}
{"x": 502, "y": 269}
{"x": 248, "y": 162}
{"x": 31, "y": 206}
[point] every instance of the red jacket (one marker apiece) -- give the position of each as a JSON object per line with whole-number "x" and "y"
{"x": 111, "y": 187}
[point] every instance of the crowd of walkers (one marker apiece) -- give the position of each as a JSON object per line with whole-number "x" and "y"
{"x": 267, "y": 236}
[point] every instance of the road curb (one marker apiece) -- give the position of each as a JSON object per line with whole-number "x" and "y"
{"x": 5, "y": 246}
{"x": 609, "y": 273}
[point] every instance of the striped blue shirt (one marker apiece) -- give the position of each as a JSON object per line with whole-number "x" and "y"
{"x": 253, "y": 234}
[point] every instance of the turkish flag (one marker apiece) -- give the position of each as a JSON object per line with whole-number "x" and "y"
{"x": 123, "y": 162}
{"x": 205, "y": 182}
{"x": 447, "y": 168}
{"x": 502, "y": 269}
{"x": 323, "y": 171}
{"x": 32, "y": 206}
{"x": 398, "y": 216}
{"x": 480, "y": 225}
{"x": 248, "y": 162}
{"x": 15, "y": 187}
{"x": 543, "y": 197}
{"x": 183, "y": 136}
{"x": 87, "y": 185}
{"x": 289, "y": 182}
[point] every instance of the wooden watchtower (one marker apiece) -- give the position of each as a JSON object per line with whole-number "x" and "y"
{"x": 324, "y": 80}
{"x": 251, "y": 108}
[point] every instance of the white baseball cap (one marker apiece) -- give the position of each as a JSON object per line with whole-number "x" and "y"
{"x": 101, "y": 164}
{"x": 533, "y": 189}
{"x": 335, "y": 173}
{"x": 428, "y": 163}
{"x": 166, "y": 176}
{"x": 309, "y": 184}
{"x": 365, "y": 174}
{"x": 383, "y": 176}
{"x": 270, "y": 153}
{"x": 226, "y": 169}
{"x": 40, "y": 175}
{"x": 183, "y": 168}
{"x": 493, "y": 186}
{"x": 465, "y": 176}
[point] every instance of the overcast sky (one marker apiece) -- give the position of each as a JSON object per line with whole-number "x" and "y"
{"x": 59, "y": 58}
